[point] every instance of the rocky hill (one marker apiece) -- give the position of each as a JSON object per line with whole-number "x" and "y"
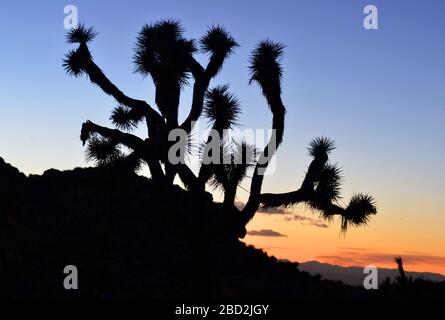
{"x": 130, "y": 240}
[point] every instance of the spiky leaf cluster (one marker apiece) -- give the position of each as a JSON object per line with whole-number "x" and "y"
{"x": 265, "y": 67}
{"x": 218, "y": 41}
{"x": 103, "y": 151}
{"x": 237, "y": 158}
{"x": 221, "y": 107}
{"x": 321, "y": 147}
{"x": 358, "y": 211}
{"x": 163, "y": 52}
{"x": 81, "y": 34}
{"x": 126, "y": 118}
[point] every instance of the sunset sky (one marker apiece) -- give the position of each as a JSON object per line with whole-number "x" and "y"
{"x": 380, "y": 94}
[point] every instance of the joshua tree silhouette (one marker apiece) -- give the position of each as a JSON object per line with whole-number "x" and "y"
{"x": 163, "y": 53}
{"x": 402, "y": 276}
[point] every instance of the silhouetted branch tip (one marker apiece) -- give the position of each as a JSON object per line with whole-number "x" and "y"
{"x": 321, "y": 146}
{"x": 74, "y": 62}
{"x": 103, "y": 151}
{"x": 265, "y": 64}
{"x": 218, "y": 41}
{"x": 358, "y": 211}
{"x": 221, "y": 107}
{"x": 81, "y": 34}
{"x": 85, "y": 132}
{"x": 160, "y": 46}
{"x": 125, "y": 118}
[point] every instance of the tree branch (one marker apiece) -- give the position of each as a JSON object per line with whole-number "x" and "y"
{"x": 84, "y": 62}
{"x": 266, "y": 70}
{"x": 357, "y": 212}
{"x": 202, "y": 80}
{"x": 199, "y": 88}
{"x": 144, "y": 148}
{"x": 116, "y": 135}
{"x": 263, "y": 162}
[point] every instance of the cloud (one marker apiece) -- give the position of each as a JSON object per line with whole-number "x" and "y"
{"x": 241, "y": 205}
{"x": 319, "y": 224}
{"x": 272, "y": 210}
{"x": 362, "y": 257}
{"x": 307, "y": 221}
{"x": 265, "y": 233}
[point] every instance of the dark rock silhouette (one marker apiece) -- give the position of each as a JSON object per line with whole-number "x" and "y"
{"x": 130, "y": 240}
{"x": 127, "y": 240}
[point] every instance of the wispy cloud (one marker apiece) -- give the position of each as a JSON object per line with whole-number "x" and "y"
{"x": 241, "y": 205}
{"x": 265, "y": 233}
{"x": 272, "y": 210}
{"x": 307, "y": 221}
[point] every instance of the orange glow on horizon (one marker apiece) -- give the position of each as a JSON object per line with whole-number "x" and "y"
{"x": 300, "y": 236}
{"x": 423, "y": 263}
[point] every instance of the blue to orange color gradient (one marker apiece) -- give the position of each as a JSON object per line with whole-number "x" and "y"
{"x": 380, "y": 94}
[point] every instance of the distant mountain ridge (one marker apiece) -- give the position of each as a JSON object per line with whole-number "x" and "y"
{"x": 354, "y": 275}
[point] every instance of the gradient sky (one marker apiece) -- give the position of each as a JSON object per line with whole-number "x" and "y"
{"x": 379, "y": 94}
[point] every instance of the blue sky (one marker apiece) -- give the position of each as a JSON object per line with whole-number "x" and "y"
{"x": 380, "y": 94}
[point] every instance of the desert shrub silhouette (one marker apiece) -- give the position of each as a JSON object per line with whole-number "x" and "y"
{"x": 402, "y": 280}
{"x": 163, "y": 53}
{"x": 409, "y": 288}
